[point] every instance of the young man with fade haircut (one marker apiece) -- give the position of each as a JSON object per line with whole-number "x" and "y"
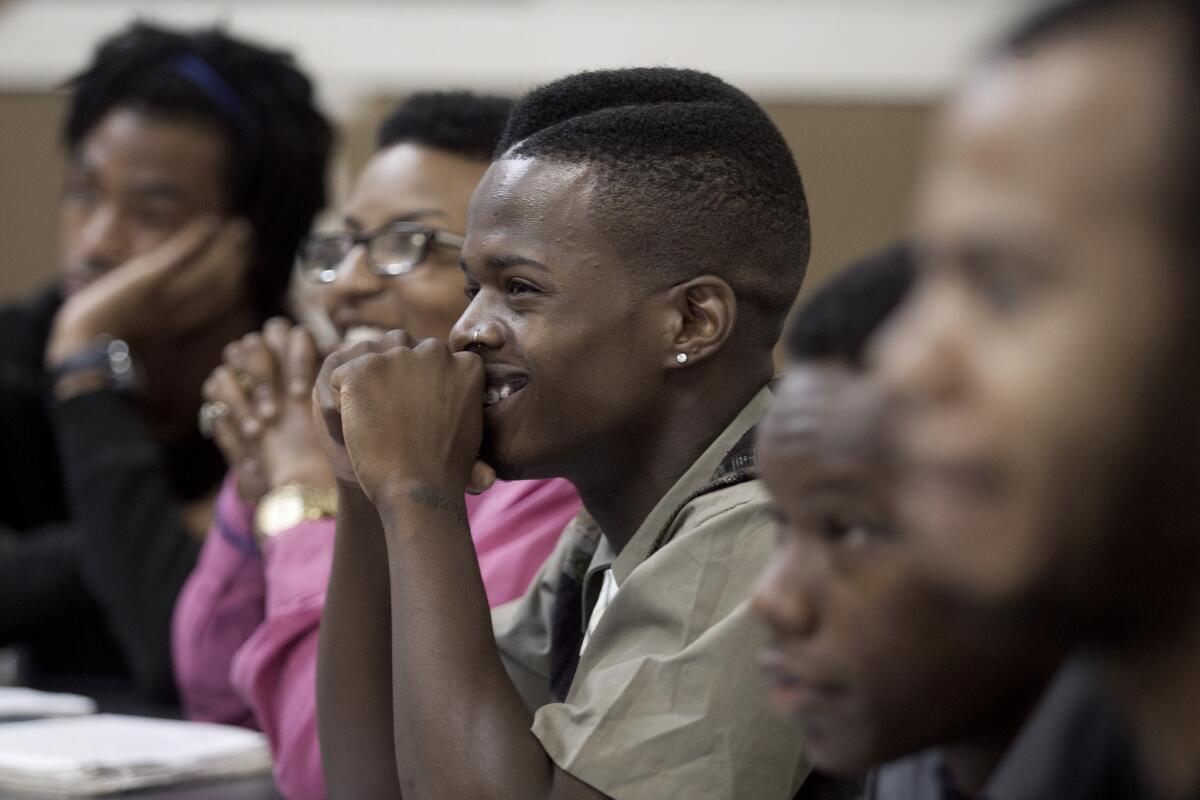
{"x": 874, "y": 662}
{"x": 245, "y": 633}
{"x": 1046, "y": 362}
{"x": 620, "y": 334}
{"x": 196, "y": 163}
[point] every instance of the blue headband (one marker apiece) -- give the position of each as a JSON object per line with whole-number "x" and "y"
{"x": 206, "y": 79}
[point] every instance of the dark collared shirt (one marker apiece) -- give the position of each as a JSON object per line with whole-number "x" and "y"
{"x": 1075, "y": 746}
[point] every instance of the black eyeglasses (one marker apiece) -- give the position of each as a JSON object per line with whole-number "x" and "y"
{"x": 391, "y": 250}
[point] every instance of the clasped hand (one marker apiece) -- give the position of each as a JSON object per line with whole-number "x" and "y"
{"x": 268, "y": 434}
{"x": 408, "y": 415}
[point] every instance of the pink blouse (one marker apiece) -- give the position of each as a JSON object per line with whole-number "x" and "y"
{"x": 245, "y": 626}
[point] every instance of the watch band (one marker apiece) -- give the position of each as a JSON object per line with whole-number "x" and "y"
{"x": 287, "y": 506}
{"x": 106, "y": 355}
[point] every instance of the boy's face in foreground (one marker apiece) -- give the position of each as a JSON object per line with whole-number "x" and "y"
{"x": 570, "y": 342}
{"x": 866, "y": 656}
{"x": 1037, "y": 339}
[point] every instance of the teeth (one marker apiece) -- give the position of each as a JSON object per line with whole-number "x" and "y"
{"x": 363, "y": 333}
{"x": 505, "y": 391}
{"x": 491, "y": 396}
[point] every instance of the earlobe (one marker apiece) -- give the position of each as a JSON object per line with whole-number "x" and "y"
{"x": 705, "y": 313}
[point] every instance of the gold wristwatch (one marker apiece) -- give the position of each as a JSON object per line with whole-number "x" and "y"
{"x": 287, "y": 506}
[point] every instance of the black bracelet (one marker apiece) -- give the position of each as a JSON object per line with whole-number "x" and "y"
{"x": 106, "y": 355}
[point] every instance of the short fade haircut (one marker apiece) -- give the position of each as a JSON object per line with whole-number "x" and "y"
{"x": 463, "y": 123}
{"x": 692, "y": 178}
{"x": 279, "y": 142}
{"x": 841, "y": 317}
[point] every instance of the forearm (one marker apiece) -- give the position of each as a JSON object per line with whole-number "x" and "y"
{"x": 276, "y": 669}
{"x": 40, "y": 585}
{"x": 136, "y": 553}
{"x": 461, "y": 728}
{"x": 354, "y": 675}
{"x": 220, "y": 607}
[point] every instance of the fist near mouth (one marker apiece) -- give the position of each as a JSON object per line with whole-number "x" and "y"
{"x": 407, "y": 415}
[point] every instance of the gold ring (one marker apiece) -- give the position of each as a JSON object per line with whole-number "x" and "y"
{"x": 246, "y": 382}
{"x": 209, "y": 414}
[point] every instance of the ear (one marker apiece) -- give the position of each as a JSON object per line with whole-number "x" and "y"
{"x": 703, "y": 313}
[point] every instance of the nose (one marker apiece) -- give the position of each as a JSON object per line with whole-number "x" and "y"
{"x": 919, "y": 354}
{"x": 104, "y": 242}
{"x": 354, "y": 280}
{"x": 478, "y": 328}
{"x": 783, "y": 595}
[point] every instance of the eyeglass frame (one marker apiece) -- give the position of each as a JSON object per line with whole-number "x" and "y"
{"x": 433, "y": 236}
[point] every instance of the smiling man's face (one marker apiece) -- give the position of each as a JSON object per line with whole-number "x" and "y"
{"x": 572, "y": 348}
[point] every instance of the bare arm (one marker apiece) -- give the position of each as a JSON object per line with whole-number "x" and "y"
{"x": 460, "y": 727}
{"x": 354, "y": 676}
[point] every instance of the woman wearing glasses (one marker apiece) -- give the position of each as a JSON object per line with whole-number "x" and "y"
{"x": 245, "y": 632}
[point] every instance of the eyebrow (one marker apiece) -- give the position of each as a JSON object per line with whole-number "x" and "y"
{"x": 502, "y": 262}
{"x": 166, "y": 191}
{"x": 409, "y": 216}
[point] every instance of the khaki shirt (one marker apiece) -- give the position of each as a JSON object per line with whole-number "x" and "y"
{"x": 667, "y": 700}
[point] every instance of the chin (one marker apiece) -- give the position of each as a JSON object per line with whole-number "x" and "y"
{"x": 837, "y": 756}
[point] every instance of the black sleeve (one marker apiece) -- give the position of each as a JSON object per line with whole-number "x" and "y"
{"x": 40, "y": 584}
{"x": 134, "y": 551}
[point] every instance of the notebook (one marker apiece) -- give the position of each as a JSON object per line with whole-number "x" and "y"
{"x": 20, "y": 703}
{"x": 103, "y": 753}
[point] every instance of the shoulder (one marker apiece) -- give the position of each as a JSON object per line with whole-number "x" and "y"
{"x": 740, "y": 517}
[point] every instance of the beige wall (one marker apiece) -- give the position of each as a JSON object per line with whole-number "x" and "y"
{"x": 30, "y": 179}
{"x": 858, "y": 163}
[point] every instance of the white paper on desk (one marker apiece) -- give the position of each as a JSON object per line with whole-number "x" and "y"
{"x": 108, "y": 753}
{"x": 20, "y": 703}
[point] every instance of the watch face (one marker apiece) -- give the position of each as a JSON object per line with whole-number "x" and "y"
{"x": 282, "y": 511}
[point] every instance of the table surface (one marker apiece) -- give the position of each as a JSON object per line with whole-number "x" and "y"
{"x": 243, "y": 789}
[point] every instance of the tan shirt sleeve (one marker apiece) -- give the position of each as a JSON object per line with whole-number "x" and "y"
{"x": 668, "y": 700}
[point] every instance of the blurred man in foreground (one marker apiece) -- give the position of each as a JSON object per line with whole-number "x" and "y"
{"x": 1046, "y": 360}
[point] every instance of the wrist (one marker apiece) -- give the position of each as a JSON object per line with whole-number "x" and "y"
{"x": 69, "y": 336}
{"x": 79, "y": 383}
{"x": 437, "y": 503}
{"x": 311, "y": 471}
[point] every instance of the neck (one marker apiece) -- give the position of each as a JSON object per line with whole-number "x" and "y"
{"x": 971, "y": 760}
{"x": 1157, "y": 683}
{"x": 639, "y": 469}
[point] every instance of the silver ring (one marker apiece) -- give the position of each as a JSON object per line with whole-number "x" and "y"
{"x": 210, "y": 412}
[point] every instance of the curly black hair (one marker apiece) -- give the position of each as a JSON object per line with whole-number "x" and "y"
{"x": 839, "y": 319}
{"x": 464, "y": 123}
{"x": 280, "y": 142}
{"x": 692, "y": 178}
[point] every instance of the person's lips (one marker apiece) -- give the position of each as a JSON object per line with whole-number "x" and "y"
{"x": 501, "y": 384}
{"x": 795, "y": 688}
{"x": 353, "y": 328}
